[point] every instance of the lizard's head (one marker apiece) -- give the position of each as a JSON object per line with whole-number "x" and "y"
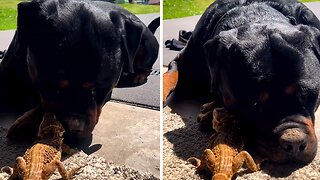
{"x": 50, "y": 127}
{"x": 223, "y": 119}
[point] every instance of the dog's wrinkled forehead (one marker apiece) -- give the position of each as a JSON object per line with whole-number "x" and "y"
{"x": 266, "y": 57}
{"x": 275, "y": 45}
{"x": 249, "y": 38}
{"x": 44, "y": 67}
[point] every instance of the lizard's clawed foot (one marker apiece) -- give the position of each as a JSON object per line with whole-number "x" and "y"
{"x": 194, "y": 161}
{"x": 7, "y": 169}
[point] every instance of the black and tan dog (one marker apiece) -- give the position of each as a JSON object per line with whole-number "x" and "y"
{"x": 66, "y": 57}
{"x": 260, "y": 59}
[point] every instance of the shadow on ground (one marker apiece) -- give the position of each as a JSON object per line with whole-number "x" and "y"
{"x": 188, "y": 139}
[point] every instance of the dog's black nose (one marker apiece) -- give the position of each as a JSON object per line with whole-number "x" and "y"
{"x": 293, "y": 141}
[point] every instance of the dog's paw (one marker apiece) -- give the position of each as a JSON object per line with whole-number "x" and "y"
{"x": 25, "y": 128}
{"x": 205, "y": 117}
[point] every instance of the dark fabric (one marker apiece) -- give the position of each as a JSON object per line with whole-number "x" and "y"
{"x": 177, "y": 45}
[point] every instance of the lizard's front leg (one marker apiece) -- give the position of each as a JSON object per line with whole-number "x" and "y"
{"x": 19, "y": 168}
{"x": 21, "y": 165}
{"x": 207, "y": 159}
{"x": 210, "y": 158}
{"x": 62, "y": 170}
{"x": 66, "y": 175}
{"x": 48, "y": 170}
{"x": 238, "y": 160}
{"x": 15, "y": 173}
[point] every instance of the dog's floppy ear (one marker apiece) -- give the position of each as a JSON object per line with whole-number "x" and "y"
{"x": 217, "y": 50}
{"x": 130, "y": 38}
{"x": 213, "y": 50}
{"x": 306, "y": 16}
{"x": 28, "y": 13}
{"x": 18, "y": 48}
{"x": 316, "y": 47}
{"x": 315, "y": 38}
{"x": 216, "y": 54}
{"x": 139, "y": 49}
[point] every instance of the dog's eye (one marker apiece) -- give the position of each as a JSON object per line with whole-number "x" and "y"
{"x": 49, "y": 89}
{"x": 264, "y": 96}
{"x": 88, "y": 85}
{"x": 90, "y": 88}
{"x": 63, "y": 83}
{"x": 93, "y": 92}
{"x": 291, "y": 89}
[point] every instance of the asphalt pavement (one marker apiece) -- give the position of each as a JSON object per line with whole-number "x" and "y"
{"x": 147, "y": 95}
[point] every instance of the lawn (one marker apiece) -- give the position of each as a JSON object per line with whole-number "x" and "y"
{"x": 183, "y": 8}
{"x": 8, "y": 12}
{"x": 140, "y": 8}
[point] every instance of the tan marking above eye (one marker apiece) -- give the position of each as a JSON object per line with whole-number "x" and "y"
{"x": 291, "y": 89}
{"x": 264, "y": 96}
{"x": 87, "y": 85}
{"x": 64, "y": 83}
{"x": 228, "y": 101}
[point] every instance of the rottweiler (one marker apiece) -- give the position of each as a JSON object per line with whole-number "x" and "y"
{"x": 66, "y": 57}
{"x": 260, "y": 60}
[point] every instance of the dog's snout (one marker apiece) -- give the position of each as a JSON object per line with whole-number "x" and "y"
{"x": 76, "y": 123}
{"x": 293, "y": 141}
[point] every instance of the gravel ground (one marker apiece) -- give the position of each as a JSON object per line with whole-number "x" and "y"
{"x": 96, "y": 168}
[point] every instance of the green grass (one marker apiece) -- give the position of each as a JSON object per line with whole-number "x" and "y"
{"x": 8, "y": 19}
{"x": 183, "y": 8}
{"x": 140, "y": 8}
{"x": 8, "y": 12}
